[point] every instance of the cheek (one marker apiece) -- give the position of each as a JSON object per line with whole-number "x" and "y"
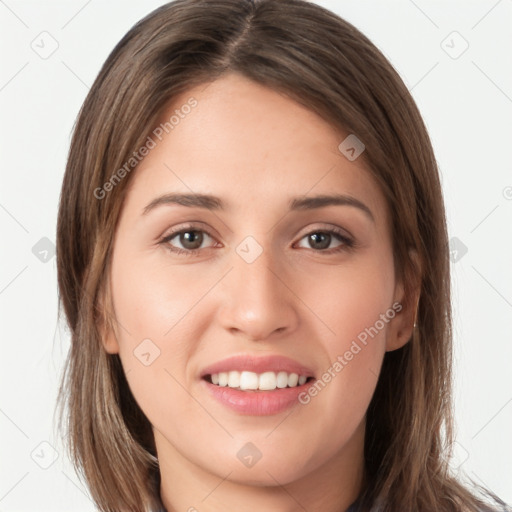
{"x": 349, "y": 301}
{"x": 153, "y": 299}
{"x": 159, "y": 320}
{"x": 355, "y": 308}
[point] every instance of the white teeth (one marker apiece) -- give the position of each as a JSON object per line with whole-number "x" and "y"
{"x": 234, "y": 379}
{"x": 282, "y": 379}
{"x": 248, "y": 380}
{"x": 223, "y": 378}
{"x": 293, "y": 378}
{"x": 266, "y": 381}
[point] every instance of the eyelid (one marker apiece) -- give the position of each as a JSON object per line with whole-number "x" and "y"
{"x": 191, "y": 226}
{"x": 188, "y": 226}
{"x": 198, "y": 226}
{"x": 326, "y": 227}
{"x": 348, "y": 242}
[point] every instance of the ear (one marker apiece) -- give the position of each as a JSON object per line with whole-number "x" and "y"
{"x": 108, "y": 338}
{"x": 105, "y": 323}
{"x": 401, "y": 327}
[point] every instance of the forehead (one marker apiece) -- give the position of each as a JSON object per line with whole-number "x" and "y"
{"x": 234, "y": 137}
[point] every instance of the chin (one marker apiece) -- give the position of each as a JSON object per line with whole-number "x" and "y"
{"x": 275, "y": 466}
{"x": 266, "y": 475}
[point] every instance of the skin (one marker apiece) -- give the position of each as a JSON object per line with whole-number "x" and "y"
{"x": 256, "y": 149}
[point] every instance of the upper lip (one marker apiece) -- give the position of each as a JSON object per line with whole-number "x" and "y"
{"x": 258, "y": 364}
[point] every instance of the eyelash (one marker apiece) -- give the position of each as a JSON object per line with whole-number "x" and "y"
{"x": 346, "y": 245}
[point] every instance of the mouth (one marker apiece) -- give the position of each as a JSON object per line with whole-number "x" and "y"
{"x": 251, "y": 381}
{"x": 257, "y": 386}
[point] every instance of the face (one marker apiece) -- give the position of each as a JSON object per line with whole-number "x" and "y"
{"x": 264, "y": 285}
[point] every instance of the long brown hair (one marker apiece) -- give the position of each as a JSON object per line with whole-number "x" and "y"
{"x": 326, "y": 64}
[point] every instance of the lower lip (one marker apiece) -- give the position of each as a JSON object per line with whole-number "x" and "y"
{"x": 256, "y": 403}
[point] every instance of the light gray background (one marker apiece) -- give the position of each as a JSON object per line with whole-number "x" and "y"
{"x": 466, "y": 101}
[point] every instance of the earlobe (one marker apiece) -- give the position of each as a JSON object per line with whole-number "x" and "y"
{"x": 404, "y": 323}
{"x": 106, "y": 329}
{"x": 402, "y": 327}
{"x": 109, "y": 341}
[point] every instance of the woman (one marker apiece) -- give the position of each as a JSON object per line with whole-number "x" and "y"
{"x": 252, "y": 258}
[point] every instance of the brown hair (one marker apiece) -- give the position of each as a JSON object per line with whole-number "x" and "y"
{"x": 326, "y": 64}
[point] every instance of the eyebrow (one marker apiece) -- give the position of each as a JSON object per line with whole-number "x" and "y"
{"x": 215, "y": 203}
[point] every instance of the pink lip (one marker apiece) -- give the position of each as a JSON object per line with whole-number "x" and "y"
{"x": 257, "y": 364}
{"x": 257, "y": 403}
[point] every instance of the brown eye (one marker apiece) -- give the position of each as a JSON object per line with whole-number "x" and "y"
{"x": 187, "y": 241}
{"x": 191, "y": 239}
{"x": 321, "y": 240}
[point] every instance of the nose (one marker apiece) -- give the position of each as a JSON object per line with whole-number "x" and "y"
{"x": 257, "y": 299}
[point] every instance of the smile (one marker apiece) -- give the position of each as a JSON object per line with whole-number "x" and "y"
{"x": 257, "y": 385}
{"x": 266, "y": 381}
